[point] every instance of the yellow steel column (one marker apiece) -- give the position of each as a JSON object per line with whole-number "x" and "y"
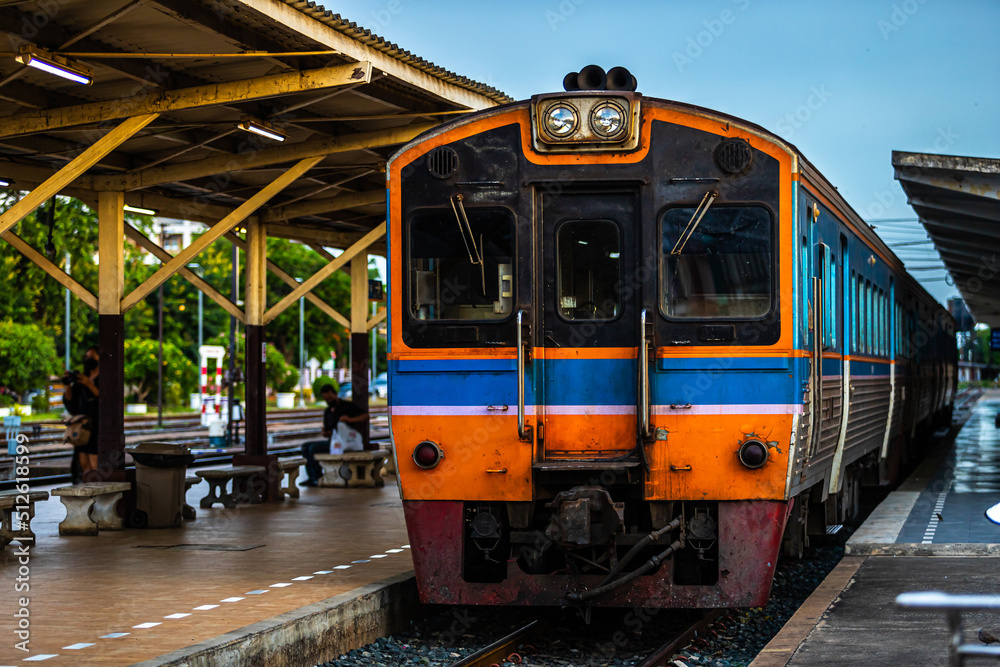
{"x": 359, "y": 337}
{"x": 111, "y": 322}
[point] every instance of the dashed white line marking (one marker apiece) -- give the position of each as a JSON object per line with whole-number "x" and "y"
{"x": 932, "y": 524}
{"x": 259, "y": 591}
{"x": 342, "y": 567}
{"x": 394, "y": 551}
{"x": 77, "y": 647}
{"x": 115, "y": 635}
{"x": 231, "y": 600}
{"x": 205, "y": 607}
{"x": 146, "y": 625}
{"x": 360, "y": 561}
{"x": 40, "y": 656}
{"x": 176, "y": 615}
{"x": 282, "y": 585}
{"x": 323, "y": 572}
{"x": 302, "y": 578}
{"x": 379, "y": 556}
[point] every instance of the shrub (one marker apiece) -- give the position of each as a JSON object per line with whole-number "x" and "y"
{"x": 318, "y": 384}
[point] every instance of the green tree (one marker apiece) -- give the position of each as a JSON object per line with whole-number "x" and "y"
{"x": 27, "y": 357}
{"x": 179, "y": 374}
{"x": 74, "y": 233}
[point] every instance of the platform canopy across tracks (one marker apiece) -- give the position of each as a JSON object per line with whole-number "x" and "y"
{"x": 958, "y": 202}
{"x": 258, "y": 118}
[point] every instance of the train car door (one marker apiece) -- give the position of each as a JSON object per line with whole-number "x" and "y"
{"x": 589, "y": 325}
{"x": 827, "y": 363}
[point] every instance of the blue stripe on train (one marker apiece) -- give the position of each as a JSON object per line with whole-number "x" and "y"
{"x": 585, "y": 382}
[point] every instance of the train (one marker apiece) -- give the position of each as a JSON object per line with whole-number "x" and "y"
{"x": 638, "y": 350}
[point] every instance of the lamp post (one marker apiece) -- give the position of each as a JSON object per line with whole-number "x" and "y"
{"x": 302, "y": 353}
{"x": 159, "y": 362}
{"x": 67, "y": 313}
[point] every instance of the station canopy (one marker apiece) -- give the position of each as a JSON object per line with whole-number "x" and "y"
{"x": 958, "y": 202}
{"x": 212, "y": 70}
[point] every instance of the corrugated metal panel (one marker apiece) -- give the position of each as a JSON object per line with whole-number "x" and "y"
{"x": 370, "y": 39}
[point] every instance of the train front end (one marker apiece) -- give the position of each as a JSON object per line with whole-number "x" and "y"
{"x": 592, "y": 387}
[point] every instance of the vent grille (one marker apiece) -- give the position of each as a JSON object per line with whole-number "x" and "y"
{"x": 734, "y": 156}
{"x": 442, "y": 162}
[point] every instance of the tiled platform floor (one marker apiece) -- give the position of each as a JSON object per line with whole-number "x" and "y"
{"x": 122, "y": 597}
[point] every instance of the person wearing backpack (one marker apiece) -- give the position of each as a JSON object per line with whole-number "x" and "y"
{"x": 81, "y": 400}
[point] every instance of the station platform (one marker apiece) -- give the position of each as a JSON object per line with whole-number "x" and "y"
{"x": 276, "y": 584}
{"x": 932, "y": 534}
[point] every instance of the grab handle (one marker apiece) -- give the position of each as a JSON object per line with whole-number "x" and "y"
{"x": 523, "y": 432}
{"x": 644, "y": 407}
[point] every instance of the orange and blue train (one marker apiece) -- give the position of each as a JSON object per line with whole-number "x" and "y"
{"x": 638, "y": 349}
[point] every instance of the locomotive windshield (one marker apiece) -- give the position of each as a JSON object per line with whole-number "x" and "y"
{"x": 723, "y": 270}
{"x": 445, "y": 282}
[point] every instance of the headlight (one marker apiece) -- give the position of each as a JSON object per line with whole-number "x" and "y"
{"x": 560, "y": 120}
{"x": 607, "y": 119}
{"x": 427, "y": 454}
{"x": 752, "y": 453}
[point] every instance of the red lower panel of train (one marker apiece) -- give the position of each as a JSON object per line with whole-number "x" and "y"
{"x": 749, "y": 535}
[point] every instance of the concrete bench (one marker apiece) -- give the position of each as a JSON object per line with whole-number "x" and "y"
{"x": 187, "y": 511}
{"x": 90, "y": 507}
{"x": 245, "y": 490}
{"x": 290, "y": 470}
{"x": 353, "y": 469}
{"x": 12, "y": 504}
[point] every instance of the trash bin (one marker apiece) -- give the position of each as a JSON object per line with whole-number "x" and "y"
{"x": 160, "y": 469}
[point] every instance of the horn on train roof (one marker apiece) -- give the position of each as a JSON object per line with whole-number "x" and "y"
{"x": 593, "y": 77}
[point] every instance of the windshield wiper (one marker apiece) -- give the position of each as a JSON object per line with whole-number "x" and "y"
{"x": 475, "y": 253}
{"x": 695, "y": 220}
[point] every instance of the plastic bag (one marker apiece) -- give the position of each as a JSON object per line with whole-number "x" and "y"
{"x": 336, "y": 447}
{"x": 350, "y": 439}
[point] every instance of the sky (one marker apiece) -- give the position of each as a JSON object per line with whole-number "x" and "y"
{"x": 847, "y": 82}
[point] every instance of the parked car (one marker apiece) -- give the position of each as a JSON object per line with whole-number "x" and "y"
{"x": 380, "y": 387}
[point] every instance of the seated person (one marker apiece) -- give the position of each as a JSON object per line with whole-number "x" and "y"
{"x": 337, "y": 411}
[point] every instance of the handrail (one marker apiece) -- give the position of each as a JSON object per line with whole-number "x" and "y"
{"x": 522, "y": 431}
{"x": 643, "y": 377}
{"x": 953, "y": 606}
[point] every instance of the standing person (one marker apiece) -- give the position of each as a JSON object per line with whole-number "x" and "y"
{"x": 337, "y": 411}
{"x": 81, "y": 398}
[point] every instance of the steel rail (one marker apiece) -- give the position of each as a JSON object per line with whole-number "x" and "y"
{"x": 503, "y": 648}
{"x": 664, "y": 653}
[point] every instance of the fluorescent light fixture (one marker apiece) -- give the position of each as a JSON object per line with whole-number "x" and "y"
{"x": 261, "y": 128}
{"x": 140, "y": 211}
{"x": 4, "y": 183}
{"x": 34, "y": 57}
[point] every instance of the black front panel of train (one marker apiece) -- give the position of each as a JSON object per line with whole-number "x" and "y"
{"x": 718, "y": 267}
{"x": 460, "y": 280}
{"x": 712, "y": 278}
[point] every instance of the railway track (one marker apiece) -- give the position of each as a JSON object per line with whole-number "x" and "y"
{"x": 522, "y": 646}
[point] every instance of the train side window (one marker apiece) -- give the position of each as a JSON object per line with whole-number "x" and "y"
{"x": 806, "y": 322}
{"x": 880, "y": 323}
{"x": 868, "y": 317}
{"x": 718, "y": 267}
{"x": 854, "y": 311}
{"x": 446, "y": 279}
{"x": 589, "y": 269}
{"x": 829, "y": 299}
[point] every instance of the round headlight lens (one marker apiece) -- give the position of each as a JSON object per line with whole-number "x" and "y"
{"x": 753, "y": 454}
{"x": 427, "y": 454}
{"x": 607, "y": 119}
{"x": 560, "y": 121}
